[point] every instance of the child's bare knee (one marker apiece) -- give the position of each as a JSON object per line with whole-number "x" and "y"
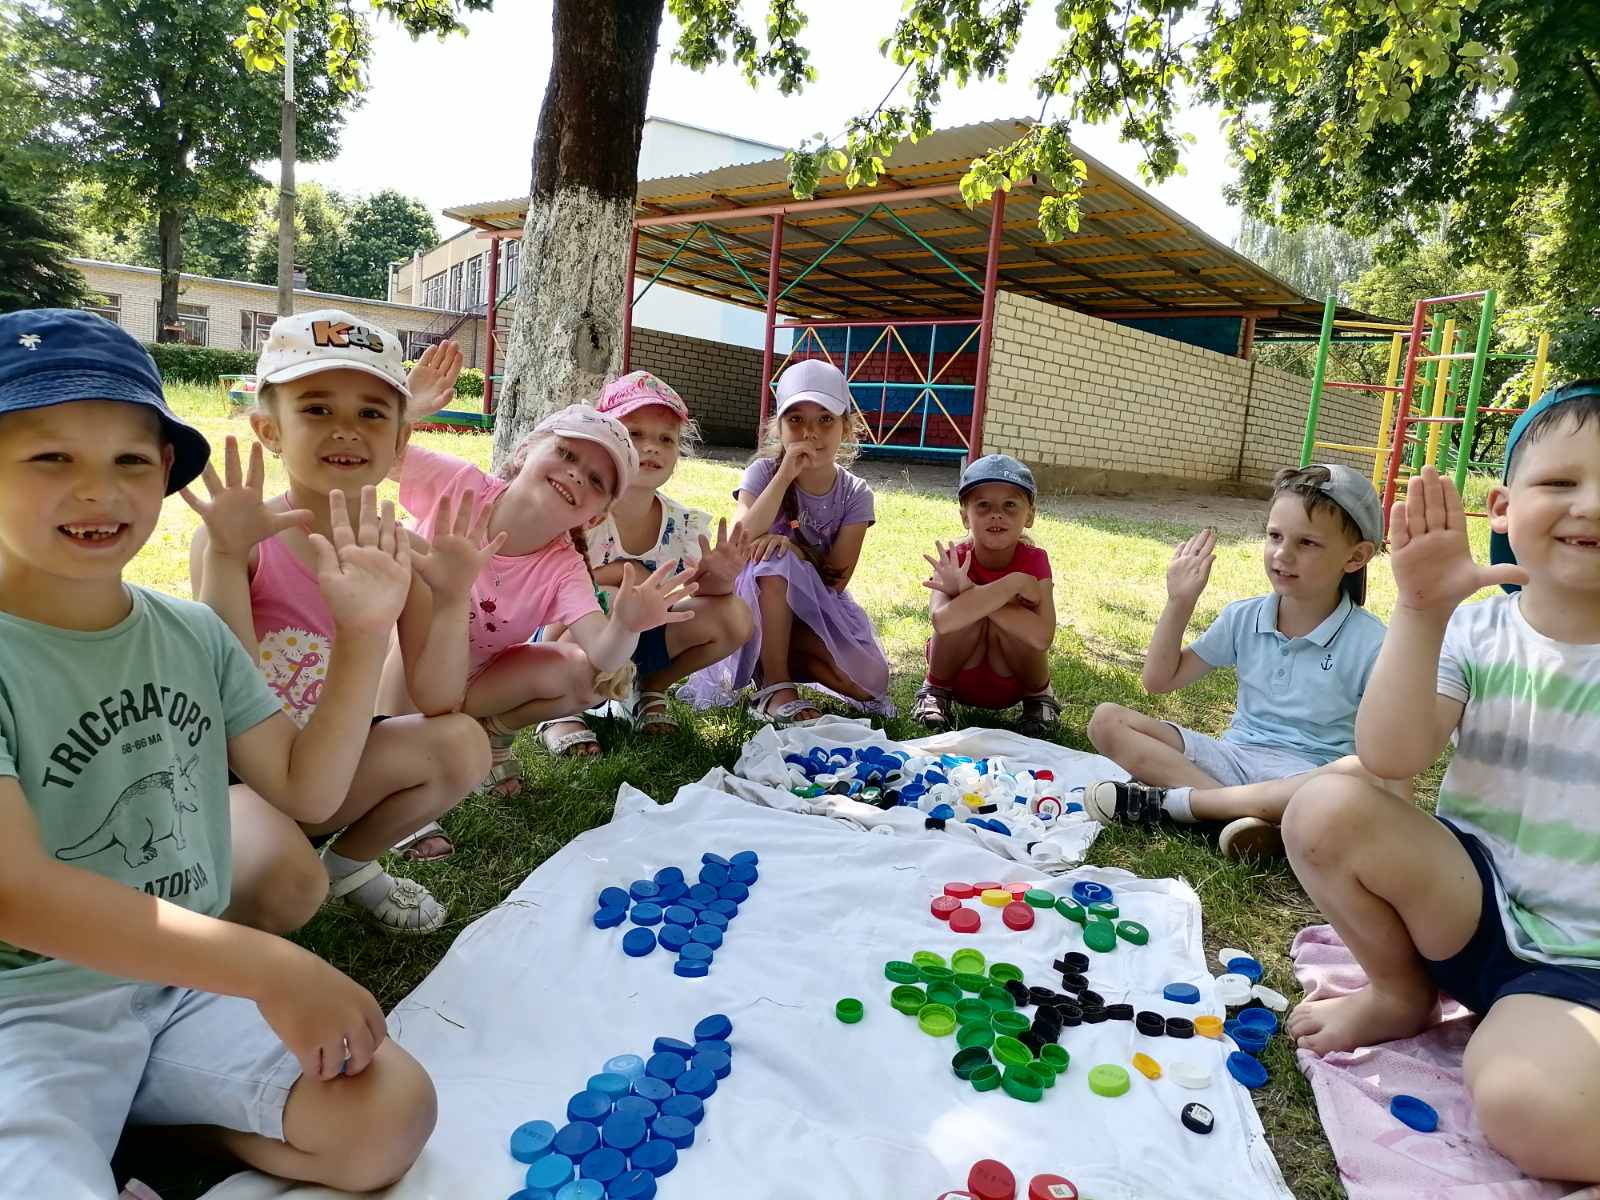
{"x": 1106, "y": 725}
{"x": 738, "y": 623}
{"x": 388, "y": 1126}
{"x": 463, "y": 752}
{"x": 1326, "y": 813}
{"x": 1514, "y": 1112}
{"x": 298, "y": 887}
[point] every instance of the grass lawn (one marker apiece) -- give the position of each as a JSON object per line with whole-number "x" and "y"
{"x": 1110, "y": 574}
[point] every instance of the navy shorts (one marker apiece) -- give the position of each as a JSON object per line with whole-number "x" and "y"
{"x": 651, "y": 654}
{"x": 1486, "y": 969}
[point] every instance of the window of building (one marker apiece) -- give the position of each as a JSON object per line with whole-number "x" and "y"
{"x": 107, "y": 304}
{"x": 196, "y": 322}
{"x": 254, "y": 328}
{"x": 416, "y": 341}
{"x": 433, "y": 291}
{"x": 475, "y": 291}
{"x": 510, "y": 263}
{"x": 455, "y": 287}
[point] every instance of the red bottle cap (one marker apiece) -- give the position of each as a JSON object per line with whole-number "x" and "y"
{"x": 984, "y": 887}
{"x": 1017, "y": 915}
{"x": 961, "y": 891}
{"x": 991, "y": 1180}
{"x": 1051, "y": 1187}
{"x": 1017, "y": 889}
{"x": 943, "y": 906}
{"x": 964, "y": 920}
{"x": 1049, "y": 775}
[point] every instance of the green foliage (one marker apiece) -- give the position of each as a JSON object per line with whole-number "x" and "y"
{"x": 321, "y": 217}
{"x": 179, "y": 363}
{"x": 35, "y": 243}
{"x": 1316, "y": 259}
{"x": 468, "y": 383}
{"x": 382, "y": 228}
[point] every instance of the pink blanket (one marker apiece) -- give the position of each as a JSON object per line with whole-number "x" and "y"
{"x": 1379, "y": 1158}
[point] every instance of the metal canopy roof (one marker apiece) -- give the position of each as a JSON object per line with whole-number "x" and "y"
{"x": 1131, "y": 256}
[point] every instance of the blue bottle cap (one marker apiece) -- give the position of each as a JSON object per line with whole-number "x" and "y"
{"x": 550, "y": 1172}
{"x": 696, "y": 1081}
{"x": 706, "y": 935}
{"x": 1182, "y": 993}
{"x": 696, "y": 951}
{"x": 672, "y": 1045}
{"x": 677, "y": 914}
{"x": 622, "y": 1131}
{"x": 589, "y": 1106}
{"x": 1246, "y": 1070}
{"x": 715, "y": 860}
{"x": 714, "y": 919}
{"x": 744, "y": 874}
{"x": 665, "y": 1067}
{"x": 692, "y": 968}
{"x": 646, "y": 913}
{"x": 713, "y": 875}
{"x": 532, "y": 1194}
{"x": 703, "y": 892}
{"x": 633, "y": 1185}
{"x": 737, "y": 892}
{"x": 673, "y": 937}
{"x": 657, "y": 1091}
{"x": 629, "y": 1066}
{"x": 582, "y": 1189}
{"x": 693, "y": 905}
{"x": 576, "y": 1139}
{"x": 531, "y": 1142}
{"x": 717, "y": 1045}
{"x": 677, "y": 1130}
{"x": 1259, "y": 1018}
{"x": 716, "y": 1027}
{"x": 1408, "y": 1110}
{"x": 746, "y": 858}
{"x": 668, "y": 875}
{"x": 1252, "y": 1039}
{"x": 728, "y": 908}
{"x": 691, "y": 1108}
{"x": 1248, "y": 967}
{"x": 609, "y": 918}
{"x": 671, "y": 893}
{"x": 720, "y": 1065}
{"x": 644, "y": 889}
{"x": 940, "y": 812}
{"x": 645, "y": 1110}
{"x": 1087, "y": 892}
{"x": 657, "y": 1156}
{"x": 614, "y": 897}
{"x": 611, "y": 1084}
{"x": 636, "y": 943}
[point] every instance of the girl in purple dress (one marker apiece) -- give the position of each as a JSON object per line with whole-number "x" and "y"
{"x": 816, "y": 514}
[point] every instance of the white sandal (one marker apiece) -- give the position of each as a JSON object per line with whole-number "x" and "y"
{"x": 563, "y": 745}
{"x": 787, "y": 712}
{"x": 651, "y": 714}
{"x": 409, "y": 907}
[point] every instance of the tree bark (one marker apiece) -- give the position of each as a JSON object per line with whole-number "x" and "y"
{"x": 566, "y": 335}
{"x": 169, "y": 230}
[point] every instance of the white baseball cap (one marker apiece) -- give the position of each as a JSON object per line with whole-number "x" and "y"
{"x": 610, "y": 434}
{"x": 330, "y": 339}
{"x": 816, "y": 380}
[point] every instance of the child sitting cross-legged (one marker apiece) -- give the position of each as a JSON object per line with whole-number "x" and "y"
{"x": 1303, "y": 654}
{"x": 992, "y": 609}
{"x": 124, "y": 999}
{"x": 1493, "y": 900}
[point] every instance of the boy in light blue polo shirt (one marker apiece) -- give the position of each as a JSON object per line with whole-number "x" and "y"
{"x": 1303, "y": 654}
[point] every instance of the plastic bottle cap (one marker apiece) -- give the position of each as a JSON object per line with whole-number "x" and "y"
{"x": 696, "y": 1081}
{"x": 664, "y": 1066}
{"x": 975, "y": 1034}
{"x": 602, "y": 1165}
{"x": 716, "y": 1027}
{"x": 1151, "y": 1024}
{"x": 944, "y": 906}
{"x": 702, "y": 893}
{"x": 636, "y": 943}
{"x": 985, "y": 1079}
{"x": 668, "y": 875}
{"x": 1098, "y": 935}
{"x": 968, "y": 960}
{"x": 677, "y": 914}
{"x": 736, "y": 893}
{"x": 703, "y": 1047}
{"x": 932, "y": 974}
{"x": 1010, "y": 1052}
{"x": 714, "y": 874}
{"x": 622, "y": 1131}
{"x": 746, "y": 875}
{"x": 996, "y": 897}
{"x": 1197, "y": 1118}
{"x": 997, "y": 998}
{"x": 644, "y": 889}
{"x": 646, "y": 913}
{"x": 1009, "y": 1022}
{"x": 970, "y": 1009}
{"x": 1228, "y": 953}
{"x": 589, "y": 1106}
{"x": 1189, "y": 1075}
{"x": 1147, "y": 1066}
{"x": 645, "y": 1110}
{"x": 991, "y": 1180}
{"x": 1181, "y": 993}
{"x": 947, "y": 994}
{"x": 550, "y": 1172}
{"x": 614, "y": 897}
{"x": 1180, "y": 1027}
{"x": 1208, "y": 1026}
{"x": 965, "y": 921}
{"x": 927, "y": 958}
{"x": 1017, "y": 915}
{"x": 1071, "y": 910}
{"x": 1056, "y": 1057}
{"x": 1246, "y": 1069}
{"x": 1023, "y": 1083}
{"x": 1259, "y": 1018}
{"x": 655, "y": 1090}
{"x": 690, "y": 1108}
{"x": 633, "y": 1185}
{"x": 696, "y": 951}
{"x": 658, "y": 1156}
{"x": 1415, "y": 1113}
{"x": 986, "y": 885}
{"x": 706, "y": 935}
{"x": 629, "y": 1066}
{"x": 609, "y": 918}
{"x": 1105, "y": 910}
{"x": 678, "y": 1131}
{"x": 1233, "y": 990}
{"x": 673, "y": 938}
{"x": 909, "y": 999}
{"x": 1108, "y": 1080}
{"x": 1004, "y": 972}
{"x": 1252, "y": 1039}
{"x": 1133, "y": 932}
{"x": 936, "y": 1020}
{"x": 576, "y": 1138}
{"x": 532, "y": 1141}
{"x": 745, "y": 858}
{"x": 1038, "y": 898}
{"x": 849, "y": 1010}
{"x": 717, "y": 1062}
{"x": 582, "y": 1189}
{"x": 1248, "y": 967}
{"x": 609, "y": 1084}
{"x": 1051, "y": 1187}
{"x": 967, "y": 1060}
{"x": 1087, "y": 891}
{"x": 1276, "y": 1001}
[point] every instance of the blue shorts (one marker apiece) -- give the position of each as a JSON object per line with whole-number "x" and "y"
{"x": 1487, "y": 969}
{"x": 651, "y": 654}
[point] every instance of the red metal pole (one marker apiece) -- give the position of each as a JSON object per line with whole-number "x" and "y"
{"x": 488, "y": 360}
{"x": 1403, "y": 409}
{"x": 773, "y": 267}
{"x": 991, "y": 269}
{"x": 1247, "y": 337}
{"x": 627, "y": 302}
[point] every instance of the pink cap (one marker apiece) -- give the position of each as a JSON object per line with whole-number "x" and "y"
{"x": 640, "y": 389}
{"x": 604, "y": 430}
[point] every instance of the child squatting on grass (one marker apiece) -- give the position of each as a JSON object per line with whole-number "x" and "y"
{"x": 808, "y": 629}
{"x": 1303, "y": 653}
{"x": 992, "y": 608}
{"x": 1492, "y": 901}
{"x": 332, "y": 405}
{"x": 647, "y": 528}
{"x": 124, "y": 999}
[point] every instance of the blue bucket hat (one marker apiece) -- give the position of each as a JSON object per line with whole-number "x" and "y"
{"x": 1499, "y": 544}
{"x": 997, "y": 468}
{"x": 52, "y": 356}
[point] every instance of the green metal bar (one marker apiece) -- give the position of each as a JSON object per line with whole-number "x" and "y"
{"x": 821, "y": 258}
{"x": 1452, "y": 404}
{"x": 737, "y": 265}
{"x": 1430, "y": 370}
{"x": 1308, "y": 443}
{"x": 1475, "y": 389}
{"x": 933, "y": 250}
{"x": 677, "y": 250}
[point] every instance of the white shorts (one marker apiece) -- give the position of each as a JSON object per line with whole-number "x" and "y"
{"x": 75, "y": 1068}
{"x": 1232, "y": 764}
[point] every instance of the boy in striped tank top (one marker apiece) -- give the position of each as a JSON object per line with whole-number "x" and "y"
{"x": 1496, "y": 901}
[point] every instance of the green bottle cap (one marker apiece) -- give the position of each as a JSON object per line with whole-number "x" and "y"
{"x": 927, "y": 958}
{"x": 1100, "y": 935}
{"x": 1010, "y": 1021}
{"x": 1132, "y": 931}
{"x": 1045, "y": 1072}
{"x": 1004, "y": 972}
{"x": 969, "y": 1060}
{"x": 901, "y": 972}
{"x": 997, "y": 998}
{"x": 849, "y": 1010}
{"x": 969, "y": 960}
{"x": 1011, "y": 1052}
{"x": 1105, "y": 909}
{"x": 1038, "y": 898}
{"x": 947, "y": 994}
{"x": 973, "y": 1034}
{"x": 1108, "y": 1080}
{"x": 971, "y": 981}
{"x": 934, "y": 974}
{"x": 1023, "y": 1083}
{"x": 986, "y": 1079}
{"x": 1071, "y": 910}
{"x": 970, "y": 1010}
{"x": 908, "y": 999}
{"x": 1056, "y": 1056}
{"x": 936, "y": 1020}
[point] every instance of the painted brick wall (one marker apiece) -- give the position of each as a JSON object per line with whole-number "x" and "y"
{"x": 1277, "y": 421}
{"x": 720, "y": 383}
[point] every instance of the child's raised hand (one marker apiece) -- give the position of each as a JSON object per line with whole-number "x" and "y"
{"x": 458, "y": 552}
{"x": 432, "y": 381}
{"x": 364, "y": 573}
{"x": 235, "y": 515}
{"x": 330, "y": 1023}
{"x": 1428, "y": 549}
{"x": 648, "y": 605}
{"x": 768, "y": 545}
{"x": 1190, "y": 568}
{"x": 950, "y": 572}
{"x": 799, "y": 457}
{"x": 720, "y": 565}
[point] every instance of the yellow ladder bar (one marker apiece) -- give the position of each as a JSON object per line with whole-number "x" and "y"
{"x": 1441, "y": 389}
{"x": 1541, "y": 361}
{"x": 1396, "y": 344}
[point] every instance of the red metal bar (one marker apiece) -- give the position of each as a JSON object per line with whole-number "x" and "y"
{"x": 627, "y": 302}
{"x": 488, "y": 361}
{"x": 868, "y": 321}
{"x": 991, "y": 270}
{"x": 1432, "y": 300}
{"x": 1408, "y": 381}
{"x": 1247, "y": 337}
{"x": 853, "y": 200}
{"x": 774, "y": 265}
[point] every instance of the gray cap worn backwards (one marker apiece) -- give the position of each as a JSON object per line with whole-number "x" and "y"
{"x": 1353, "y": 492}
{"x": 997, "y": 468}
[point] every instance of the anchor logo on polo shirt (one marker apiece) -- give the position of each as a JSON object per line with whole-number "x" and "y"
{"x": 1327, "y": 662}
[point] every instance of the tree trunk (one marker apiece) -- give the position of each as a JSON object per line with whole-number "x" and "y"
{"x": 566, "y": 335}
{"x": 169, "y": 231}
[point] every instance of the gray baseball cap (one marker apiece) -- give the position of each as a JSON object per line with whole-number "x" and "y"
{"x": 1353, "y": 492}
{"x": 997, "y": 468}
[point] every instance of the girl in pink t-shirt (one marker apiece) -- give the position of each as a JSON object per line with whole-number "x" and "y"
{"x": 558, "y": 483}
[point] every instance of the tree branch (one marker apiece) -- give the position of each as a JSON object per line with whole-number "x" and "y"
{"x": 1581, "y": 61}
